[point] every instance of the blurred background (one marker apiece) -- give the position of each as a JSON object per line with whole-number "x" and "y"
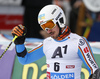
{"x": 83, "y": 18}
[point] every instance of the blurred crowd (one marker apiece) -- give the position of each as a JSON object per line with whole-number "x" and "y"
{"x": 80, "y": 19}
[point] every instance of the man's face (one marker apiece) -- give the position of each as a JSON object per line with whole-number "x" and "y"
{"x": 53, "y": 32}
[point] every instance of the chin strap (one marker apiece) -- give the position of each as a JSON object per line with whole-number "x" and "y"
{"x": 64, "y": 33}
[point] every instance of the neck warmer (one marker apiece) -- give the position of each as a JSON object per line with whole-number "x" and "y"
{"x": 64, "y": 33}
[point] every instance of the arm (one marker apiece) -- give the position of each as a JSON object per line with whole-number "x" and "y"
{"x": 25, "y": 57}
{"x": 86, "y": 55}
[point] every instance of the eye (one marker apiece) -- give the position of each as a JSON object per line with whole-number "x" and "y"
{"x": 46, "y": 29}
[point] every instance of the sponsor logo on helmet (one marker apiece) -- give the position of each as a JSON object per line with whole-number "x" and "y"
{"x": 53, "y": 11}
{"x": 58, "y": 16}
{"x": 41, "y": 22}
{"x": 40, "y": 17}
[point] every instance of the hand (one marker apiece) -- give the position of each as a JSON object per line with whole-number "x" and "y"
{"x": 19, "y": 31}
{"x": 95, "y": 75}
{"x": 90, "y": 77}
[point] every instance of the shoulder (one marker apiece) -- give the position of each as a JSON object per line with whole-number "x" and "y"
{"x": 80, "y": 39}
{"x": 48, "y": 40}
{"x": 75, "y": 36}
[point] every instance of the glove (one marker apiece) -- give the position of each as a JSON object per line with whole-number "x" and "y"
{"x": 90, "y": 77}
{"x": 19, "y": 31}
{"x": 96, "y": 75}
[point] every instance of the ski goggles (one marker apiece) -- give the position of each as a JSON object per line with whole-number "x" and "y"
{"x": 48, "y": 25}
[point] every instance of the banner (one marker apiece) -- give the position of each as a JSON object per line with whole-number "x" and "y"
{"x": 35, "y": 70}
{"x": 10, "y": 2}
{"x": 10, "y": 16}
{"x": 7, "y": 61}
